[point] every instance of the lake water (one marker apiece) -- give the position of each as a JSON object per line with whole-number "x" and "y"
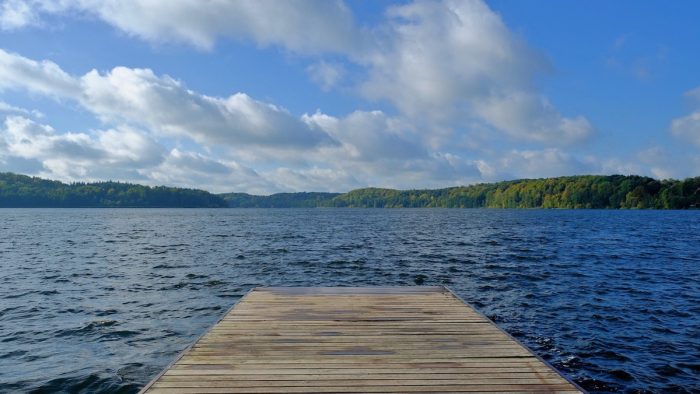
{"x": 100, "y": 300}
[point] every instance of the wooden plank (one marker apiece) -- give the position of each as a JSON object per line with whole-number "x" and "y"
{"x": 316, "y": 381}
{"x": 502, "y": 388}
{"x": 356, "y": 340}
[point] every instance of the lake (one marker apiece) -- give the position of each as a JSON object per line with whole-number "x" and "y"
{"x": 100, "y": 300}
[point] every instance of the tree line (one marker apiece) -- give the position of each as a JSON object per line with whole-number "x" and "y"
{"x": 280, "y": 200}
{"x": 574, "y": 192}
{"x": 24, "y": 191}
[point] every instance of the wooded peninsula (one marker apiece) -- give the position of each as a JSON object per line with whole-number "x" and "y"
{"x": 572, "y": 192}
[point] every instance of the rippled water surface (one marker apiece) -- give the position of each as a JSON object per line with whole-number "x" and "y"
{"x": 101, "y": 300}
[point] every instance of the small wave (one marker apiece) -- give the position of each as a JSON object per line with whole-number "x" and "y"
{"x": 168, "y": 266}
{"x": 621, "y": 375}
{"x": 668, "y": 370}
{"x": 90, "y": 383}
{"x": 92, "y": 327}
{"x": 13, "y": 354}
{"x": 591, "y": 384}
{"x": 106, "y": 312}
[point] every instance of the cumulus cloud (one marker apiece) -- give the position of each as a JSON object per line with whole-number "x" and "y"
{"x": 371, "y": 136}
{"x": 180, "y": 168}
{"x": 121, "y": 153}
{"x": 530, "y": 116}
{"x": 549, "y": 162}
{"x": 43, "y": 77}
{"x": 688, "y": 127}
{"x": 451, "y": 62}
{"x": 71, "y": 155}
{"x": 387, "y": 151}
{"x": 309, "y": 26}
{"x": 163, "y": 104}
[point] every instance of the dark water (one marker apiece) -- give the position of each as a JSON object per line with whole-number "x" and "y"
{"x": 101, "y": 300}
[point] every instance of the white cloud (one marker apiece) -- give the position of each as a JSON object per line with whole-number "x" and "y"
{"x": 325, "y": 74}
{"x": 11, "y": 109}
{"x": 122, "y": 153}
{"x": 127, "y": 145}
{"x": 163, "y": 104}
{"x": 660, "y": 163}
{"x": 531, "y": 116}
{"x": 309, "y": 26}
{"x": 452, "y": 62}
{"x": 549, "y": 162}
{"x": 71, "y": 156}
{"x": 45, "y": 77}
{"x": 15, "y": 14}
{"x": 188, "y": 169}
{"x": 300, "y": 25}
{"x": 341, "y": 174}
{"x": 385, "y": 151}
{"x": 313, "y": 179}
{"x": 370, "y": 136}
{"x": 688, "y": 127}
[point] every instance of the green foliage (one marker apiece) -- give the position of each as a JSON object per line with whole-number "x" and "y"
{"x": 588, "y": 191}
{"x": 574, "y": 192}
{"x": 23, "y": 191}
{"x": 279, "y": 200}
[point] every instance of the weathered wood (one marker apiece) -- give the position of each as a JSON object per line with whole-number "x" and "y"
{"x": 356, "y": 340}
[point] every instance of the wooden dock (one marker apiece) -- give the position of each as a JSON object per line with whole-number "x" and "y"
{"x": 356, "y": 340}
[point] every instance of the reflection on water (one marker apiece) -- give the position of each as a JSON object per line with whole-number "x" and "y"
{"x": 101, "y": 300}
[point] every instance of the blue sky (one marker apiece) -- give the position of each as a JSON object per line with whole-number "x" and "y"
{"x": 268, "y": 96}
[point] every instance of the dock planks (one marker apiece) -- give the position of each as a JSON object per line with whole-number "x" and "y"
{"x": 356, "y": 340}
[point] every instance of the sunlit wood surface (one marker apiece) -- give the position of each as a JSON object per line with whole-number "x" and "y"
{"x": 356, "y": 340}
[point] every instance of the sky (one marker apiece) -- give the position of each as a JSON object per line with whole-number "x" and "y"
{"x": 266, "y": 96}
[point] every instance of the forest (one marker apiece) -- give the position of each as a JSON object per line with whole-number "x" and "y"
{"x": 279, "y": 200}
{"x": 572, "y": 192}
{"x": 24, "y": 191}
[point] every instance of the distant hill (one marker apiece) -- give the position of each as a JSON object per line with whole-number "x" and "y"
{"x": 24, "y": 191}
{"x": 586, "y": 191}
{"x": 279, "y": 200}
